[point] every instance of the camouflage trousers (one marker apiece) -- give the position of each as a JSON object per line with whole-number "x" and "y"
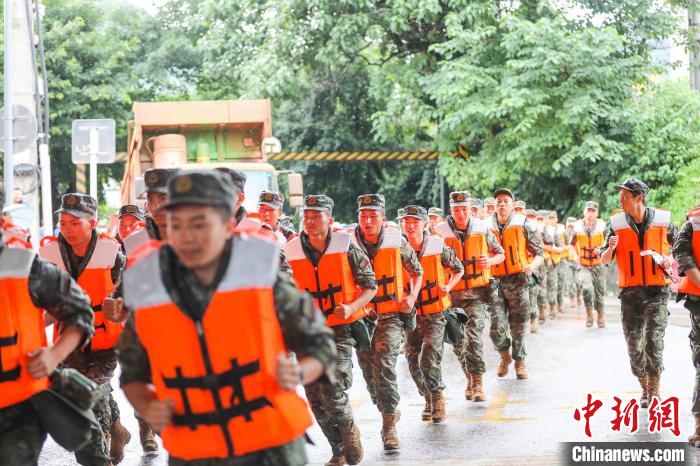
{"x": 695, "y": 350}
{"x": 553, "y": 272}
{"x": 562, "y": 282}
{"x": 537, "y": 292}
{"x": 644, "y": 320}
{"x": 21, "y": 435}
{"x": 96, "y": 451}
{"x": 329, "y": 402}
{"x": 423, "y": 349}
{"x": 378, "y": 363}
{"x": 515, "y": 308}
{"x": 498, "y": 330}
{"x": 475, "y": 304}
{"x": 593, "y": 286}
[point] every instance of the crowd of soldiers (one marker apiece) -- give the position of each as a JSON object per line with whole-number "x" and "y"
{"x": 216, "y": 316}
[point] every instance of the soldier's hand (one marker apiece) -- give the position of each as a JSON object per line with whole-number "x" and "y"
{"x": 443, "y": 291}
{"x": 343, "y": 311}
{"x": 288, "y": 372}
{"x": 528, "y": 269}
{"x": 41, "y": 363}
{"x": 407, "y": 304}
{"x": 613, "y": 241}
{"x": 483, "y": 262}
{"x": 158, "y": 414}
{"x": 667, "y": 262}
{"x": 113, "y": 309}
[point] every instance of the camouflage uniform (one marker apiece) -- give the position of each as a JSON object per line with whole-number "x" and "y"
{"x": 284, "y": 265}
{"x": 684, "y": 255}
{"x": 98, "y": 366}
{"x": 330, "y": 402}
{"x": 514, "y": 290}
{"x": 644, "y": 314}
{"x": 378, "y": 363}
{"x": 21, "y": 432}
{"x": 592, "y": 281}
{"x": 538, "y": 289}
{"x": 303, "y": 329}
{"x": 424, "y": 345}
{"x": 475, "y": 302}
{"x": 156, "y": 181}
{"x": 550, "y": 238}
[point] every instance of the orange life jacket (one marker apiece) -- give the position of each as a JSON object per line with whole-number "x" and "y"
{"x": 388, "y": 270}
{"x": 686, "y": 285}
{"x": 587, "y": 242}
{"x": 514, "y": 245}
{"x": 21, "y": 328}
{"x": 561, "y": 231}
{"x": 434, "y": 276}
{"x": 634, "y": 269}
{"x": 219, "y": 371}
{"x": 468, "y": 252}
{"x": 539, "y": 227}
{"x": 12, "y": 231}
{"x": 330, "y": 282}
{"x": 134, "y": 239}
{"x": 96, "y": 281}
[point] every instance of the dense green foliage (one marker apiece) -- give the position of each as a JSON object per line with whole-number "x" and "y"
{"x": 554, "y": 99}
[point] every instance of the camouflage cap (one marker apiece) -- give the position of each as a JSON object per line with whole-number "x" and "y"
{"x": 571, "y": 220}
{"x": 542, "y": 214}
{"x": 489, "y": 201}
{"x": 272, "y": 199}
{"x": 591, "y": 205}
{"x": 519, "y": 205}
{"x": 531, "y": 213}
{"x": 634, "y": 185}
{"x": 460, "y": 198}
{"x": 318, "y": 202}
{"x": 130, "y": 209}
{"x": 507, "y": 191}
{"x": 436, "y": 211}
{"x": 79, "y": 205}
{"x": 415, "y": 211}
{"x": 370, "y": 201}
{"x": 156, "y": 179}
{"x": 208, "y": 188}
{"x": 478, "y": 203}
{"x": 552, "y": 214}
{"x": 236, "y": 177}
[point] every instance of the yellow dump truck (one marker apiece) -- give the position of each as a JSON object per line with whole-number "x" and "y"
{"x": 202, "y": 135}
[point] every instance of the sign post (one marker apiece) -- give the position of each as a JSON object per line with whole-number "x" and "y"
{"x": 93, "y": 142}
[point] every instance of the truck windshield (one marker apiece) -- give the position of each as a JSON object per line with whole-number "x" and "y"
{"x": 256, "y": 182}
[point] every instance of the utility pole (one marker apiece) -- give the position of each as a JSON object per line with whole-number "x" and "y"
{"x": 694, "y": 48}
{"x": 20, "y": 90}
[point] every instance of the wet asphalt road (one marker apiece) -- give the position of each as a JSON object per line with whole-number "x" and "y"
{"x": 522, "y": 421}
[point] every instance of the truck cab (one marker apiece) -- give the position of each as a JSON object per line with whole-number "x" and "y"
{"x": 203, "y": 135}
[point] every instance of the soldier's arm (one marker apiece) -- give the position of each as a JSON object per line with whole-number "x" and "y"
{"x": 304, "y": 328}
{"x": 496, "y": 251}
{"x": 410, "y": 263}
{"x": 285, "y": 268}
{"x": 533, "y": 243}
{"x": 450, "y": 261}
{"x": 363, "y": 275}
{"x": 132, "y": 355}
{"x": 361, "y": 268}
{"x": 683, "y": 249}
{"x": 56, "y": 292}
